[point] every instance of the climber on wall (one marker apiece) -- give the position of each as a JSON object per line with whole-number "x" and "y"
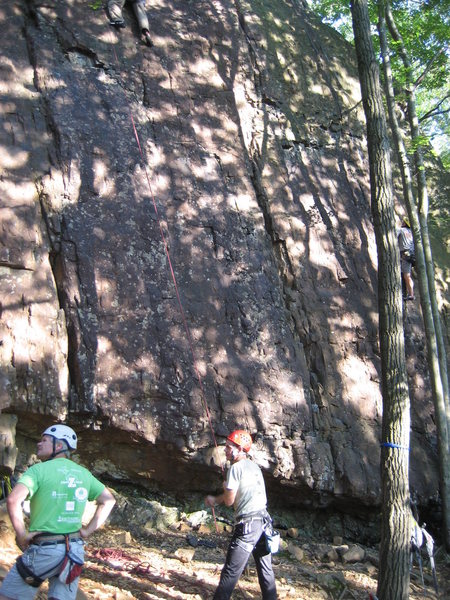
{"x": 53, "y": 548}
{"x": 116, "y": 19}
{"x": 245, "y": 489}
{"x": 407, "y": 256}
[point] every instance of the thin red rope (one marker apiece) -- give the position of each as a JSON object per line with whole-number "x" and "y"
{"x": 186, "y": 327}
{"x": 166, "y": 249}
{"x": 180, "y": 305}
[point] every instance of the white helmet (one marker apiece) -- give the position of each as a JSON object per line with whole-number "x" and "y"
{"x": 63, "y": 432}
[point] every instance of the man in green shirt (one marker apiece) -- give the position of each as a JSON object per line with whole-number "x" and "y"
{"x": 58, "y": 489}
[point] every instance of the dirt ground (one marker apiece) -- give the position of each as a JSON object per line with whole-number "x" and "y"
{"x": 166, "y": 566}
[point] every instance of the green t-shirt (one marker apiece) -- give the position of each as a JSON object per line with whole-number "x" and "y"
{"x": 59, "y": 490}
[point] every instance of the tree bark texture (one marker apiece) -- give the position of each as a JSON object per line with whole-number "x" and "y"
{"x": 437, "y": 358}
{"x": 395, "y": 526}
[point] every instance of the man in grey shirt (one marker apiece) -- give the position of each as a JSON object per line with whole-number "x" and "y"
{"x": 407, "y": 257}
{"x": 245, "y": 490}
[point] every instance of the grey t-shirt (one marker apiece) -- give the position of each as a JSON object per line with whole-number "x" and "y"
{"x": 405, "y": 239}
{"x": 246, "y": 478}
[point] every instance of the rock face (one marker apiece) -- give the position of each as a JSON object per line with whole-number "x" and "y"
{"x": 188, "y": 226}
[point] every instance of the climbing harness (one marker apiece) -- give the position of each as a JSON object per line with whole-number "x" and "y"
{"x": 67, "y": 570}
{"x": 272, "y": 536}
{"x": 28, "y": 575}
{"x": 409, "y": 256}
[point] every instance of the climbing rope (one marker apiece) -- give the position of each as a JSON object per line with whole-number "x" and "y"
{"x": 172, "y": 272}
{"x": 169, "y": 260}
{"x": 120, "y": 561}
{"x": 140, "y": 567}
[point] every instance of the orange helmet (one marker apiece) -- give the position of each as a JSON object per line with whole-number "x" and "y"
{"x": 241, "y": 438}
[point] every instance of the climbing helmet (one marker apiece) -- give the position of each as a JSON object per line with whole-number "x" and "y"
{"x": 241, "y": 438}
{"x": 64, "y": 433}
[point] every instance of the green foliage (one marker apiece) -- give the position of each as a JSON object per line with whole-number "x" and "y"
{"x": 420, "y": 141}
{"x": 337, "y": 14}
{"x": 444, "y": 155}
{"x": 425, "y": 29}
{"x": 96, "y": 5}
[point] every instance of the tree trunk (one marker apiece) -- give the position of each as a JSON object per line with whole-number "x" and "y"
{"x": 393, "y": 581}
{"x": 437, "y": 357}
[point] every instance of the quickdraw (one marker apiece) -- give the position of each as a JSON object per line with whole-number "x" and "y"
{"x": 5, "y": 486}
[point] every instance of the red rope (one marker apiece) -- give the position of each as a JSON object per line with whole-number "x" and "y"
{"x": 180, "y": 305}
{"x": 172, "y": 272}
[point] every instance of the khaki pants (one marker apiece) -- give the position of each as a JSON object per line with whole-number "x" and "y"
{"x": 115, "y": 11}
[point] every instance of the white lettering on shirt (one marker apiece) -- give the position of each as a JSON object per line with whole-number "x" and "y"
{"x": 81, "y": 494}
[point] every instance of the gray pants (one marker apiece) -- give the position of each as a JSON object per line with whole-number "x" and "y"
{"x": 115, "y": 11}
{"x": 248, "y": 538}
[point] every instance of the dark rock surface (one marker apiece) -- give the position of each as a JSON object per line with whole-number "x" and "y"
{"x": 251, "y": 173}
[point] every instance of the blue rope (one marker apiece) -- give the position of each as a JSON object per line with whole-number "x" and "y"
{"x": 390, "y": 445}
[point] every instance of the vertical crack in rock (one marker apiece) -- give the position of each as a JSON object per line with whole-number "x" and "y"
{"x": 317, "y": 446}
{"x": 80, "y": 396}
{"x": 77, "y": 396}
{"x": 286, "y": 271}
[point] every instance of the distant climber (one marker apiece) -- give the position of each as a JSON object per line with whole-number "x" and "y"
{"x": 245, "y": 489}
{"x": 407, "y": 256}
{"x": 53, "y": 546}
{"x": 116, "y": 18}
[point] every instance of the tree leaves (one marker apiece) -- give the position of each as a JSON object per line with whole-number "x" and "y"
{"x": 425, "y": 29}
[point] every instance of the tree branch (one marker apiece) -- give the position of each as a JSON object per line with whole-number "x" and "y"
{"x": 427, "y": 68}
{"x": 435, "y": 110}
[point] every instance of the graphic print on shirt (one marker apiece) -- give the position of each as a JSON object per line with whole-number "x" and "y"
{"x": 76, "y": 496}
{"x": 81, "y": 494}
{"x": 59, "y": 490}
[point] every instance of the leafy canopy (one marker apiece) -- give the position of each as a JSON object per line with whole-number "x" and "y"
{"x": 425, "y": 28}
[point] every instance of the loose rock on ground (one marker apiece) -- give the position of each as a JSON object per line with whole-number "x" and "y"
{"x": 165, "y": 565}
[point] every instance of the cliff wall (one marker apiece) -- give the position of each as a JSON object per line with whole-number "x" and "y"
{"x": 251, "y": 174}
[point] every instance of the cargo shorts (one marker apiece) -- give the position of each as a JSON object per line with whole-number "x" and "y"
{"x": 43, "y": 559}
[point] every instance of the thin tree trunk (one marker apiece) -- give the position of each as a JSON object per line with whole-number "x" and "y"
{"x": 393, "y": 581}
{"x": 437, "y": 357}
